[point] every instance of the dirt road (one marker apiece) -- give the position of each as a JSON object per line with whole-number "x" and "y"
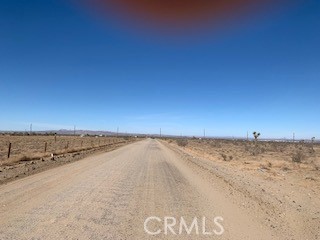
{"x": 111, "y": 196}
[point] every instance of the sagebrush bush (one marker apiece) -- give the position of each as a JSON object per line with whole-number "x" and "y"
{"x": 182, "y": 142}
{"x": 298, "y": 157}
{"x": 224, "y": 156}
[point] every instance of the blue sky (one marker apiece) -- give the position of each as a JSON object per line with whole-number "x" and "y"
{"x": 61, "y": 65}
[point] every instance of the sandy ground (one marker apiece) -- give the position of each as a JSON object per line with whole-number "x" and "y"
{"x": 110, "y": 196}
{"x": 287, "y": 193}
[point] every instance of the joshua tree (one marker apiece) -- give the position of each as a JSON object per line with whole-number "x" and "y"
{"x": 256, "y": 135}
{"x": 256, "y": 149}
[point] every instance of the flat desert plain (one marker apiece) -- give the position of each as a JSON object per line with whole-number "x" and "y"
{"x": 164, "y": 189}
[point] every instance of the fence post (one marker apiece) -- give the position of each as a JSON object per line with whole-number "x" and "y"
{"x": 9, "y": 150}
{"x": 45, "y": 146}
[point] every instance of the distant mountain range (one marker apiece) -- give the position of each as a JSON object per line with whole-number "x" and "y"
{"x": 84, "y": 132}
{"x": 77, "y": 132}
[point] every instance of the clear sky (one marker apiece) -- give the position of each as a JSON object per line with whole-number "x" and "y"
{"x": 63, "y": 64}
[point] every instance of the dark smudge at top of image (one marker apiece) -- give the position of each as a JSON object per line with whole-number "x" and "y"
{"x": 176, "y": 16}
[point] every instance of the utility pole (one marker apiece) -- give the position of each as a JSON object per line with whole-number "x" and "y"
{"x": 30, "y": 128}
{"x": 247, "y": 136}
{"x": 204, "y": 133}
{"x": 117, "y": 131}
{"x": 160, "y": 133}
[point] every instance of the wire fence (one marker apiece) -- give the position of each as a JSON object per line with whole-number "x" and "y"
{"x": 22, "y": 146}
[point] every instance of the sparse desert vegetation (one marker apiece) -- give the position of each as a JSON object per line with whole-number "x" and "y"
{"x": 274, "y": 183}
{"x": 280, "y": 178}
{"x": 37, "y": 146}
{"x": 273, "y": 153}
{"x": 294, "y": 163}
{"x": 22, "y": 155}
{"x": 182, "y": 142}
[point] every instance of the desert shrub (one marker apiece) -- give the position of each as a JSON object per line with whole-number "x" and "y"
{"x": 274, "y": 147}
{"x": 224, "y": 156}
{"x": 182, "y": 142}
{"x": 215, "y": 144}
{"x": 298, "y": 157}
{"x": 285, "y": 168}
{"x": 247, "y": 148}
{"x": 256, "y": 150}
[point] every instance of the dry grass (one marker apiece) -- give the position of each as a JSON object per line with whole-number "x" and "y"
{"x": 26, "y": 148}
{"x": 266, "y": 155}
{"x": 182, "y": 142}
